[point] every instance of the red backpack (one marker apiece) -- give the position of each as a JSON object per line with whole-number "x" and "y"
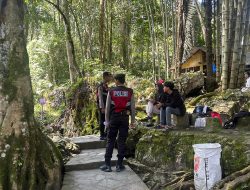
{"x": 216, "y": 115}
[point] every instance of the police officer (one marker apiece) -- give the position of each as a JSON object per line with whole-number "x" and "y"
{"x": 120, "y": 104}
{"x": 102, "y": 92}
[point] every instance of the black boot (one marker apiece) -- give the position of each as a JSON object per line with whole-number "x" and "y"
{"x": 107, "y": 166}
{"x": 119, "y": 166}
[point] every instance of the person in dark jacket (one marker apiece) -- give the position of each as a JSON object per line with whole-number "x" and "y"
{"x": 174, "y": 103}
{"x": 102, "y": 92}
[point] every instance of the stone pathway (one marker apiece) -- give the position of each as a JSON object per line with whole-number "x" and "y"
{"x": 82, "y": 171}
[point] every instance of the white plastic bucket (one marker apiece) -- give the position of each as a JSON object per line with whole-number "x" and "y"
{"x": 207, "y": 169}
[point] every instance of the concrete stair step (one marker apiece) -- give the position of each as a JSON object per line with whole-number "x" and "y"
{"x": 89, "y": 142}
{"x": 83, "y": 173}
{"x": 89, "y": 159}
{"x": 99, "y": 180}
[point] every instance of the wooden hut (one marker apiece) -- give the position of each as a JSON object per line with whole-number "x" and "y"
{"x": 195, "y": 61}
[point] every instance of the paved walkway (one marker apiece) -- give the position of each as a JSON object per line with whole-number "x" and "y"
{"x": 82, "y": 171}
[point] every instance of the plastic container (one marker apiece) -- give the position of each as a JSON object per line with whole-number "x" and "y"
{"x": 207, "y": 169}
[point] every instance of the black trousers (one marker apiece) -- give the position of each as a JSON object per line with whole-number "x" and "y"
{"x": 118, "y": 126}
{"x": 101, "y": 123}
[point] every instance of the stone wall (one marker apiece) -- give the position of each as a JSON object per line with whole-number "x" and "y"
{"x": 161, "y": 156}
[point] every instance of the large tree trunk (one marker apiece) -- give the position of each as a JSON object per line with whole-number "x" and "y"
{"x": 209, "y": 47}
{"x": 236, "y": 48}
{"x": 188, "y": 45}
{"x": 110, "y": 44}
{"x": 79, "y": 36}
{"x": 152, "y": 35}
{"x": 232, "y": 23}
{"x": 225, "y": 44}
{"x": 28, "y": 159}
{"x": 180, "y": 38}
{"x": 125, "y": 33}
{"x": 245, "y": 46}
{"x": 235, "y": 34}
{"x": 218, "y": 41}
{"x": 74, "y": 70}
{"x": 101, "y": 31}
{"x": 165, "y": 36}
{"x": 173, "y": 6}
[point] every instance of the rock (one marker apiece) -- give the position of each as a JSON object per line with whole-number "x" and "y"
{"x": 191, "y": 82}
{"x": 72, "y": 147}
{"x": 181, "y": 122}
{"x": 65, "y": 145}
{"x": 228, "y": 102}
{"x": 79, "y": 117}
{"x": 162, "y": 156}
{"x": 57, "y": 97}
{"x": 226, "y": 107}
{"x": 243, "y": 123}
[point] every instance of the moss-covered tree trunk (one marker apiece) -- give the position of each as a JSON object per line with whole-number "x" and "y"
{"x": 28, "y": 159}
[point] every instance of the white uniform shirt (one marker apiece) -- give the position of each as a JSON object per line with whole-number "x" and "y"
{"x": 248, "y": 82}
{"x": 247, "y": 88}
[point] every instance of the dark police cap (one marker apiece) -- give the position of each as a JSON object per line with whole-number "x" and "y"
{"x": 169, "y": 84}
{"x": 120, "y": 77}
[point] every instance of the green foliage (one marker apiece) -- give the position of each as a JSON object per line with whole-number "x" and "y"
{"x": 49, "y": 114}
{"x": 91, "y": 125}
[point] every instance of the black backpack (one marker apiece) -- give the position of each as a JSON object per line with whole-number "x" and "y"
{"x": 200, "y": 112}
{"x": 231, "y": 123}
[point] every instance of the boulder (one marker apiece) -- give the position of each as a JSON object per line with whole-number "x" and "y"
{"x": 181, "y": 122}
{"x": 226, "y": 107}
{"x": 226, "y": 103}
{"x": 191, "y": 82}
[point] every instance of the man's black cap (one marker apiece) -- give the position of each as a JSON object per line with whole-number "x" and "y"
{"x": 120, "y": 77}
{"x": 169, "y": 84}
{"x": 106, "y": 74}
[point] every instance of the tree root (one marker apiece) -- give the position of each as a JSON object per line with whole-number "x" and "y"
{"x": 184, "y": 182}
{"x": 234, "y": 180}
{"x": 197, "y": 99}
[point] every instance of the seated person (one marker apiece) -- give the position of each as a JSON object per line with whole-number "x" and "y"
{"x": 247, "y": 86}
{"x": 174, "y": 103}
{"x": 152, "y": 106}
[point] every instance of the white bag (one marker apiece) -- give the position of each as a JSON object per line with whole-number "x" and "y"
{"x": 200, "y": 122}
{"x": 207, "y": 169}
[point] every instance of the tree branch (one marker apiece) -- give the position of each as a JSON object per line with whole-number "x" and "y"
{"x": 59, "y": 10}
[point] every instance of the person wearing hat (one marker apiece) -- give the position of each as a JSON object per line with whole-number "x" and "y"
{"x": 120, "y": 104}
{"x": 174, "y": 103}
{"x": 102, "y": 92}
